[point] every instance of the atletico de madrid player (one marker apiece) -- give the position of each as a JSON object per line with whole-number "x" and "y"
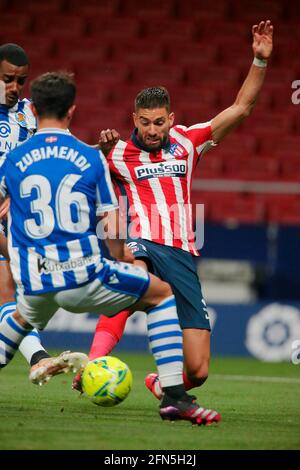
{"x": 154, "y": 170}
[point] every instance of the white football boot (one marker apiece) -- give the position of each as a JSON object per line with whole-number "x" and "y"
{"x": 66, "y": 362}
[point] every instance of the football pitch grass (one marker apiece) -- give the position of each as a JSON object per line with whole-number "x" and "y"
{"x": 259, "y": 403}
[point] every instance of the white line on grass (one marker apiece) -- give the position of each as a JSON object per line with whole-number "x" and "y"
{"x": 256, "y": 378}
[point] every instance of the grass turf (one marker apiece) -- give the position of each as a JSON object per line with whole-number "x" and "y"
{"x": 256, "y": 414}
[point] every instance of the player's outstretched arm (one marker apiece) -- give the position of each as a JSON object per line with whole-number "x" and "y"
{"x": 262, "y": 46}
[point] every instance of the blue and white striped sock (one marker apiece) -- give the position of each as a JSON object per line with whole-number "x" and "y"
{"x": 165, "y": 338}
{"x": 31, "y": 344}
{"x": 7, "y": 308}
{"x": 11, "y": 335}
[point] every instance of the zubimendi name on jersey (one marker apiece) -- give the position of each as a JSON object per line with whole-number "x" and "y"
{"x": 44, "y": 153}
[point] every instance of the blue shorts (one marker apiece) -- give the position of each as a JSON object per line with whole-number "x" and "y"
{"x": 177, "y": 267}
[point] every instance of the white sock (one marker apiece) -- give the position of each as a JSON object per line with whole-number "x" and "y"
{"x": 165, "y": 338}
{"x": 11, "y": 335}
{"x": 32, "y": 342}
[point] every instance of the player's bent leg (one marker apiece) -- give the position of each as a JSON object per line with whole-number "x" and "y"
{"x": 108, "y": 333}
{"x": 30, "y": 346}
{"x": 13, "y": 329}
{"x": 165, "y": 337}
{"x": 37, "y": 311}
{"x": 196, "y": 349}
{"x": 157, "y": 292}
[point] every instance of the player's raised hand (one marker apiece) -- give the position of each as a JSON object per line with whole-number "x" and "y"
{"x": 262, "y": 39}
{"x": 108, "y": 140}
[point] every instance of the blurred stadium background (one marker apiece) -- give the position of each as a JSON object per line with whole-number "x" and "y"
{"x": 250, "y": 185}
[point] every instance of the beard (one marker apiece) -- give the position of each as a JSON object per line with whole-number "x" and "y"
{"x": 155, "y": 147}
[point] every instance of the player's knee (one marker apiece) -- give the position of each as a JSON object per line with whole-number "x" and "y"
{"x": 163, "y": 291}
{"x": 157, "y": 293}
{"x": 166, "y": 290}
{"x": 199, "y": 375}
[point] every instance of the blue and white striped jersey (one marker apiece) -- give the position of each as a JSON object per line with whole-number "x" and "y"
{"x": 57, "y": 186}
{"x": 17, "y": 124}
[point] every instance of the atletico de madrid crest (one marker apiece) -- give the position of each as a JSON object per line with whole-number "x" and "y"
{"x": 177, "y": 150}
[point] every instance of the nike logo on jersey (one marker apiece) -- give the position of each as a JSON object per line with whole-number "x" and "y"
{"x": 171, "y": 168}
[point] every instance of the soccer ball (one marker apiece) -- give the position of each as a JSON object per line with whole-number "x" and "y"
{"x": 106, "y": 381}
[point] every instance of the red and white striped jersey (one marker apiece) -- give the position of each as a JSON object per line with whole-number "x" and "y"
{"x": 158, "y": 185}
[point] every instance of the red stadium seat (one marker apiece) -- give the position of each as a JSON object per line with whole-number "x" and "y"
{"x": 101, "y": 10}
{"x": 169, "y": 29}
{"x": 268, "y": 123}
{"x": 252, "y": 11}
{"x": 235, "y": 55}
{"x": 293, "y": 12}
{"x": 281, "y": 76}
{"x": 60, "y": 26}
{"x": 74, "y": 49}
{"x": 286, "y": 51}
{"x": 82, "y": 133}
{"x": 41, "y": 49}
{"x": 156, "y": 74}
{"x": 240, "y": 144}
{"x": 284, "y": 211}
{"x": 193, "y": 113}
{"x": 15, "y": 24}
{"x": 215, "y": 77}
{"x": 209, "y": 167}
{"x": 284, "y": 148}
{"x": 290, "y": 167}
{"x": 184, "y": 97}
{"x": 89, "y": 105}
{"x": 245, "y": 209}
{"x": 114, "y": 28}
{"x": 36, "y": 6}
{"x": 102, "y": 117}
{"x": 227, "y": 33}
{"x": 193, "y": 53}
{"x": 41, "y": 65}
{"x": 212, "y": 197}
{"x": 250, "y": 168}
{"x": 192, "y": 7}
{"x": 134, "y": 52}
{"x": 146, "y": 10}
{"x": 109, "y": 73}
{"x": 85, "y": 61}
{"x": 3, "y": 5}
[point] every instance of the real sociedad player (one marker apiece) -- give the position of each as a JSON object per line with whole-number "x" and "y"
{"x": 17, "y": 124}
{"x": 154, "y": 169}
{"x": 58, "y": 186}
